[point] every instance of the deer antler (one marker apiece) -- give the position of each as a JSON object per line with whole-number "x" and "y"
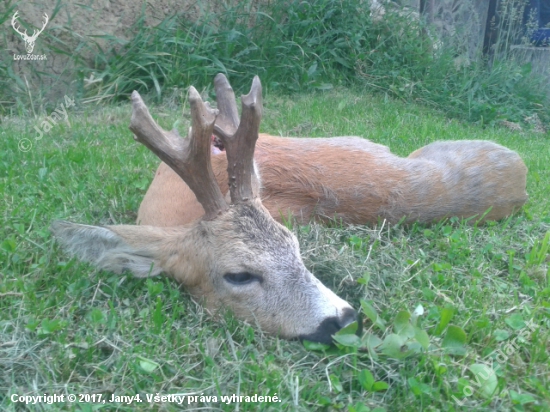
{"x": 239, "y": 144}
{"x": 189, "y": 158}
{"x": 228, "y": 119}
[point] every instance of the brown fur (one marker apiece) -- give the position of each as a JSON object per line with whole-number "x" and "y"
{"x": 359, "y": 182}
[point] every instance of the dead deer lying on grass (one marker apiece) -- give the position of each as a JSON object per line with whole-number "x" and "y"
{"x": 353, "y": 179}
{"x": 236, "y": 255}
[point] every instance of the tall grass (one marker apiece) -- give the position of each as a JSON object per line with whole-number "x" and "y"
{"x": 439, "y": 72}
{"x": 294, "y": 48}
{"x": 297, "y": 46}
{"x": 7, "y": 76}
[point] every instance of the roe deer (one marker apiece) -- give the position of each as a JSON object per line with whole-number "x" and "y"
{"x": 353, "y": 179}
{"x": 236, "y": 255}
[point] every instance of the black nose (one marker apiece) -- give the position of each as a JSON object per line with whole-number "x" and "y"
{"x": 348, "y": 316}
{"x": 331, "y": 325}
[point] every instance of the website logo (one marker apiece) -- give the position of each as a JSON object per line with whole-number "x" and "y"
{"x": 29, "y": 40}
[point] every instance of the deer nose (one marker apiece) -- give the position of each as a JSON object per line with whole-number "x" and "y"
{"x": 329, "y": 326}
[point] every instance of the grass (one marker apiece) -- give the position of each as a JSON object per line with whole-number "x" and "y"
{"x": 67, "y": 328}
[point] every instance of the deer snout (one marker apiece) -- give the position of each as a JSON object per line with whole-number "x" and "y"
{"x": 329, "y": 326}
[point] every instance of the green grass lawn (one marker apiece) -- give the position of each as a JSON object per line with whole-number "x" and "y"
{"x": 444, "y": 299}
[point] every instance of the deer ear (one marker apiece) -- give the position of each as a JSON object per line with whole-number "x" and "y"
{"x": 137, "y": 249}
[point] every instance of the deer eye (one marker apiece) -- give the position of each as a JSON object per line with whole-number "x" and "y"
{"x": 241, "y": 278}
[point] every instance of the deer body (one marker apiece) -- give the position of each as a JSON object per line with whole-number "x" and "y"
{"x": 204, "y": 223}
{"x": 359, "y": 182}
{"x": 236, "y": 256}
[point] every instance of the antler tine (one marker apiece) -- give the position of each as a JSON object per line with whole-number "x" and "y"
{"x": 13, "y": 23}
{"x": 189, "y": 158}
{"x": 240, "y": 146}
{"x": 228, "y": 120}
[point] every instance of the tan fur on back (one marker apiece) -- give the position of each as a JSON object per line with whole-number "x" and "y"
{"x": 359, "y": 182}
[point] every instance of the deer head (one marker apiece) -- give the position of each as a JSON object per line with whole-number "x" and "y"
{"x": 29, "y": 40}
{"x": 236, "y": 256}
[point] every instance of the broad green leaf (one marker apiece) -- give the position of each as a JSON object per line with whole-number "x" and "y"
{"x": 379, "y": 386}
{"x": 402, "y": 324}
{"x": 412, "y": 346}
{"x": 486, "y": 379}
{"x": 439, "y": 368}
{"x": 371, "y": 342}
{"x": 315, "y": 345}
{"x": 366, "y": 379}
{"x": 154, "y": 287}
{"x": 349, "y": 340}
{"x": 418, "y": 388}
{"x": 422, "y": 337}
{"x": 371, "y": 313}
{"x": 32, "y": 324}
{"x": 365, "y": 279}
{"x": 391, "y": 346}
{"x": 350, "y": 329}
{"x": 446, "y": 315}
{"x": 454, "y": 341}
{"x": 9, "y": 245}
{"x": 147, "y": 364}
{"x": 515, "y": 321}
{"x": 521, "y": 398}
{"x": 501, "y": 334}
{"x": 359, "y": 407}
{"x": 402, "y": 319}
{"x": 335, "y": 381}
{"x": 50, "y": 326}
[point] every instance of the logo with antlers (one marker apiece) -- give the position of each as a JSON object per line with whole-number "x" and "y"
{"x": 29, "y": 40}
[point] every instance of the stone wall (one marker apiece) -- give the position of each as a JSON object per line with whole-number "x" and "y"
{"x": 465, "y": 20}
